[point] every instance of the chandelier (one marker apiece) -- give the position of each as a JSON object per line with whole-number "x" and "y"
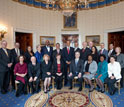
{"x": 67, "y": 7}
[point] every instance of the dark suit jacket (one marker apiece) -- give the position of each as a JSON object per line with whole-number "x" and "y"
{"x": 113, "y": 53}
{"x": 14, "y": 55}
{"x": 28, "y": 57}
{"x": 55, "y": 53}
{"x": 34, "y": 70}
{"x": 45, "y": 51}
{"x": 46, "y": 68}
{"x": 66, "y": 56}
{"x": 85, "y": 54}
{"x": 4, "y": 60}
{"x": 55, "y": 68}
{"x": 78, "y": 68}
{"x": 105, "y": 52}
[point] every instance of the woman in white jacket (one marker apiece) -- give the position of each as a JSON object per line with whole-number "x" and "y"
{"x": 114, "y": 74}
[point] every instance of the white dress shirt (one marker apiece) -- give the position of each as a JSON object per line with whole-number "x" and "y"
{"x": 17, "y": 51}
{"x": 115, "y": 69}
{"x": 48, "y": 48}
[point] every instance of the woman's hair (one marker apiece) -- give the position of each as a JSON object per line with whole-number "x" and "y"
{"x": 31, "y": 49}
{"x": 112, "y": 56}
{"x": 21, "y": 56}
{"x": 90, "y": 55}
{"x": 95, "y": 49}
{"x": 102, "y": 55}
{"x": 119, "y": 48}
{"x": 46, "y": 55}
{"x": 38, "y": 46}
{"x": 58, "y": 55}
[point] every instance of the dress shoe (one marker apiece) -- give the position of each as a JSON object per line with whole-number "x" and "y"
{"x": 102, "y": 91}
{"x": 3, "y": 91}
{"x": 17, "y": 95}
{"x": 70, "y": 88}
{"x": 45, "y": 92}
{"x": 80, "y": 89}
{"x": 25, "y": 93}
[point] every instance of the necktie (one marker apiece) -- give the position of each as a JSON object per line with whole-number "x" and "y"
{"x": 76, "y": 61}
{"x": 6, "y": 52}
{"x": 83, "y": 50}
{"x": 109, "y": 53}
{"x": 17, "y": 52}
{"x": 101, "y": 52}
{"x": 68, "y": 50}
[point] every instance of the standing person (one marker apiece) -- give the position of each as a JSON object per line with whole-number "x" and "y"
{"x": 95, "y": 54}
{"x": 28, "y": 54}
{"x": 85, "y": 51}
{"x": 46, "y": 72}
{"x": 103, "y": 51}
{"x": 20, "y": 71}
{"x": 114, "y": 74}
{"x": 34, "y": 74}
{"x": 16, "y": 52}
{"x": 47, "y": 49}
{"x": 39, "y": 54}
{"x": 58, "y": 69}
{"x": 76, "y": 48}
{"x": 68, "y": 56}
{"x": 102, "y": 73}
{"x": 90, "y": 68}
{"x": 91, "y": 44}
{"x": 76, "y": 69}
{"x": 120, "y": 59}
{"x": 57, "y": 51}
{"x": 5, "y": 67}
{"x": 111, "y": 51}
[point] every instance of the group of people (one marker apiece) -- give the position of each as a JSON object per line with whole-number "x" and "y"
{"x": 105, "y": 66}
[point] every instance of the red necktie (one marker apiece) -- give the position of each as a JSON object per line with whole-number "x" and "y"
{"x": 101, "y": 52}
{"x": 68, "y": 50}
{"x": 83, "y": 50}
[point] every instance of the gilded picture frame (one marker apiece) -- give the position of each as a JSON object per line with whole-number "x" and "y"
{"x": 94, "y": 38}
{"x": 52, "y": 40}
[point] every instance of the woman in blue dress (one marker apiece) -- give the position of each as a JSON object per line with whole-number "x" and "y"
{"x": 102, "y": 73}
{"x": 39, "y": 54}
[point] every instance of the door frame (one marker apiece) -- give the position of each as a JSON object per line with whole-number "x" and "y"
{"x": 110, "y": 31}
{"x": 26, "y": 31}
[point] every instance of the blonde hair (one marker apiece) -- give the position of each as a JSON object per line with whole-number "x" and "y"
{"x": 38, "y": 46}
{"x": 46, "y": 55}
{"x": 119, "y": 48}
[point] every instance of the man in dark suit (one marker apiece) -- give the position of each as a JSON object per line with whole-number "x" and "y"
{"x": 103, "y": 51}
{"x": 68, "y": 56}
{"x": 85, "y": 51}
{"x": 111, "y": 51}
{"x": 57, "y": 51}
{"x": 16, "y": 52}
{"x": 76, "y": 47}
{"x": 90, "y": 45}
{"x": 76, "y": 70}
{"x": 47, "y": 49}
{"x": 5, "y": 67}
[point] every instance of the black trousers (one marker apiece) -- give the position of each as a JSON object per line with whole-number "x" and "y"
{"x": 4, "y": 80}
{"x": 21, "y": 88}
{"x": 66, "y": 67}
{"x": 58, "y": 80}
{"x": 34, "y": 85}
{"x": 80, "y": 80}
{"x": 12, "y": 79}
{"x": 122, "y": 79}
{"x": 110, "y": 82}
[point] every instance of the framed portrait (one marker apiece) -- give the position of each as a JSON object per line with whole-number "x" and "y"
{"x": 51, "y": 39}
{"x": 94, "y": 38}
{"x": 70, "y": 22}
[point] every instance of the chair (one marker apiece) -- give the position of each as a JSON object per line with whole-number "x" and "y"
{"x": 74, "y": 80}
{"x": 117, "y": 84}
{"x": 17, "y": 82}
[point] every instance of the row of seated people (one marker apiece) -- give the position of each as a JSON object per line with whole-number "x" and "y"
{"x": 103, "y": 72}
{"x": 68, "y": 55}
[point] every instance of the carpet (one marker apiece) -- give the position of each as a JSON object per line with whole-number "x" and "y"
{"x": 67, "y": 98}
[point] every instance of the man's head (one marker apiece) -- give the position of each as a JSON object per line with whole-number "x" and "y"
{"x": 4, "y": 44}
{"x": 17, "y": 45}
{"x": 68, "y": 43}
{"x": 57, "y": 46}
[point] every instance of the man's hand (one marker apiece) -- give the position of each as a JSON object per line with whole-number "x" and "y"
{"x": 30, "y": 79}
{"x": 87, "y": 73}
{"x": 79, "y": 75}
{"x": 70, "y": 75}
{"x": 112, "y": 77}
{"x": 48, "y": 73}
{"x": 35, "y": 78}
{"x": 9, "y": 65}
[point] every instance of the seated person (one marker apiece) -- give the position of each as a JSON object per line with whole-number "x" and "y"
{"x": 20, "y": 71}
{"x": 114, "y": 74}
{"x": 46, "y": 72}
{"x": 102, "y": 73}
{"x": 90, "y": 68}
{"x": 58, "y": 69}
{"x": 76, "y": 68}
{"x": 34, "y": 74}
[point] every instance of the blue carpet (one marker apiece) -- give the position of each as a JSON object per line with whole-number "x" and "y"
{"x": 9, "y": 99}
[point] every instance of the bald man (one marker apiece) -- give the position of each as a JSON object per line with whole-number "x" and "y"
{"x": 34, "y": 74}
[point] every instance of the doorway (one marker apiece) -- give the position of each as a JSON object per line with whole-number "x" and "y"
{"x": 117, "y": 38}
{"x": 25, "y": 40}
